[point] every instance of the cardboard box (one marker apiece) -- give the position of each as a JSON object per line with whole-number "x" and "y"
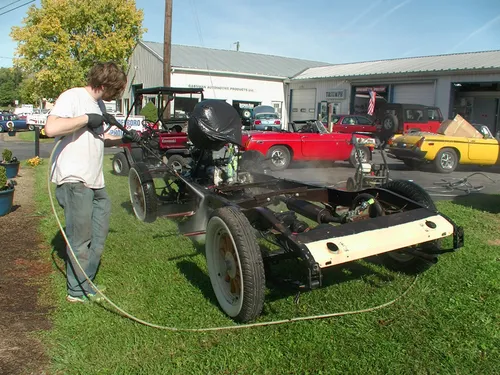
{"x": 458, "y": 127}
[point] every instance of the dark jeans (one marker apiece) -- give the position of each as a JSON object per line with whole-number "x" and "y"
{"x": 87, "y": 213}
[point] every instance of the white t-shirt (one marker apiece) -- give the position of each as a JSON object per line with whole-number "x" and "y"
{"x": 79, "y": 156}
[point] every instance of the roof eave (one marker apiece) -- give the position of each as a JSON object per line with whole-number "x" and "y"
{"x": 407, "y": 73}
{"x": 221, "y": 72}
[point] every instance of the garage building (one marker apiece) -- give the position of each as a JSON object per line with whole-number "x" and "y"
{"x": 467, "y": 84}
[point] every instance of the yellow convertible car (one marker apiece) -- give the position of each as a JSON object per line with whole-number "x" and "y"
{"x": 446, "y": 152}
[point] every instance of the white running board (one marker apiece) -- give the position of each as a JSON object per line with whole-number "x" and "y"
{"x": 357, "y": 246}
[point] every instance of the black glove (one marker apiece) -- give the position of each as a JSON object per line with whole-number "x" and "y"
{"x": 110, "y": 119}
{"x": 131, "y": 136}
{"x": 95, "y": 120}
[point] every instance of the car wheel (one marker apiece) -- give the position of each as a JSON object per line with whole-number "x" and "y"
{"x": 401, "y": 260}
{"x": 235, "y": 264}
{"x": 279, "y": 157}
{"x": 177, "y": 163}
{"x": 142, "y": 193}
{"x": 120, "y": 164}
{"x": 364, "y": 153}
{"x": 390, "y": 123}
{"x": 31, "y": 128}
{"x": 446, "y": 160}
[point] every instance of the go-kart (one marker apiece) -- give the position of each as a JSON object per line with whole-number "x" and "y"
{"x": 230, "y": 201}
{"x": 166, "y": 136}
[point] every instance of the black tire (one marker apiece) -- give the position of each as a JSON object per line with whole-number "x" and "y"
{"x": 246, "y": 113}
{"x": 399, "y": 260}
{"x": 390, "y": 123}
{"x": 177, "y": 162}
{"x": 121, "y": 167}
{"x": 279, "y": 158}
{"x": 350, "y": 184}
{"x": 236, "y": 270}
{"x": 446, "y": 160}
{"x": 142, "y": 193}
{"x": 31, "y": 127}
{"x": 366, "y": 156}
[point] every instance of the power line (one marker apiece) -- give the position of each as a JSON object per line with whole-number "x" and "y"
{"x": 8, "y": 5}
{"x": 10, "y": 10}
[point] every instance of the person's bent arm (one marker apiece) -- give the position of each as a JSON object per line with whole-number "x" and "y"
{"x": 58, "y": 126}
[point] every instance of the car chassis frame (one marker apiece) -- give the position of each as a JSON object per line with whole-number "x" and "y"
{"x": 322, "y": 227}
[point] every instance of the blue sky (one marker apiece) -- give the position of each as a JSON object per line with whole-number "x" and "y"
{"x": 332, "y": 31}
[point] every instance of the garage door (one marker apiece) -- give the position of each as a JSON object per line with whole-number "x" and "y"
{"x": 416, "y": 93}
{"x": 303, "y": 104}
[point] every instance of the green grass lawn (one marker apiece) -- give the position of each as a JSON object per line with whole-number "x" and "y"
{"x": 449, "y": 322}
{"x": 30, "y": 137}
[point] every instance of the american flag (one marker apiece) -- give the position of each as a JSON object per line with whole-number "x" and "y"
{"x": 371, "y": 104}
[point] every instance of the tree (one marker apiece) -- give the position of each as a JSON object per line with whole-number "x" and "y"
{"x": 61, "y": 40}
{"x": 10, "y": 80}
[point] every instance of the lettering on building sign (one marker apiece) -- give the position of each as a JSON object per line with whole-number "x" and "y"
{"x": 374, "y": 88}
{"x": 227, "y": 88}
{"x": 335, "y": 94}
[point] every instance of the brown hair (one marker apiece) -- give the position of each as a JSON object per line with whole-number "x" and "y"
{"x": 109, "y": 76}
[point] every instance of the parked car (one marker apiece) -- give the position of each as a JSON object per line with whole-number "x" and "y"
{"x": 307, "y": 141}
{"x": 352, "y": 124}
{"x": 7, "y": 120}
{"x": 265, "y": 118}
{"x": 401, "y": 118}
{"x": 446, "y": 152}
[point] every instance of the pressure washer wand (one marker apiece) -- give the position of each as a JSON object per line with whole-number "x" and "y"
{"x": 114, "y": 121}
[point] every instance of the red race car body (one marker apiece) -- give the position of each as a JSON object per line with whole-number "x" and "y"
{"x": 309, "y": 141}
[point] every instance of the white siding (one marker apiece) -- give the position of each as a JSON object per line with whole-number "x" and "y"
{"x": 268, "y": 92}
{"x": 321, "y": 88}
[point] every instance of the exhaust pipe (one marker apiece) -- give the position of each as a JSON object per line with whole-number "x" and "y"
{"x": 311, "y": 211}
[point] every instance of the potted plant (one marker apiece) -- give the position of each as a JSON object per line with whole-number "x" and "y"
{"x": 6, "y": 192}
{"x": 10, "y": 163}
{"x": 11, "y": 129}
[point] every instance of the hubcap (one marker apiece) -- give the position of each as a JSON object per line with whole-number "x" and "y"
{"x": 447, "y": 161}
{"x": 278, "y": 158}
{"x": 388, "y": 124}
{"x": 118, "y": 166}
{"x": 176, "y": 166}
{"x": 229, "y": 270}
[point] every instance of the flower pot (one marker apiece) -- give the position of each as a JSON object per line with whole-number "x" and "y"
{"x": 11, "y": 133}
{"x": 6, "y": 201}
{"x": 12, "y": 169}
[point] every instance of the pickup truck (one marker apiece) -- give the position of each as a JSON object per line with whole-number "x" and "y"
{"x": 307, "y": 141}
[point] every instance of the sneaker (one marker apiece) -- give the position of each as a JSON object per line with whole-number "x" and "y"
{"x": 78, "y": 299}
{"x": 91, "y": 297}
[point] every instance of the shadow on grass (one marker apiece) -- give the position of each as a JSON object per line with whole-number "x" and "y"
{"x": 289, "y": 278}
{"x": 197, "y": 277}
{"x": 479, "y": 201}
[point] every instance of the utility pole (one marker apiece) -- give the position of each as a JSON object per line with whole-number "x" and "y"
{"x": 167, "y": 44}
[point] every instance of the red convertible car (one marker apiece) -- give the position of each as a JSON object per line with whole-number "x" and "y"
{"x": 307, "y": 141}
